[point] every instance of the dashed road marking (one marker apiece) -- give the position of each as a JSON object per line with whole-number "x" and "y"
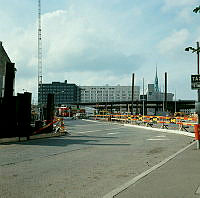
{"x": 160, "y": 136}
{"x": 157, "y": 139}
{"x": 99, "y": 130}
{"x": 86, "y": 125}
{"x": 198, "y": 191}
{"x": 113, "y": 133}
{"x": 90, "y": 120}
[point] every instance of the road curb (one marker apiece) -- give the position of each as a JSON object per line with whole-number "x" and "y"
{"x": 131, "y": 182}
{"x": 162, "y": 130}
{"x": 32, "y": 137}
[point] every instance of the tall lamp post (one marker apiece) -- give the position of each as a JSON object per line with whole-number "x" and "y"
{"x": 175, "y": 103}
{"x": 197, "y": 50}
{"x": 143, "y": 100}
{"x": 133, "y": 78}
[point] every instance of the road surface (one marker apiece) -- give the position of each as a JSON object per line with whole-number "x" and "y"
{"x": 95, "y": 159}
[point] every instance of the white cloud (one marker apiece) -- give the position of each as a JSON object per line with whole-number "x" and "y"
{"x": 185, "y": 15}
{"x": 75, "y": 43}
{"x": 169, "y": 4}
{"x": 98, "y": 42}
{"x": 198, "y": 34}
{"x": 173, "y": 41}
{"x": 85, "y": 42}
{"x": 92, "y": 78}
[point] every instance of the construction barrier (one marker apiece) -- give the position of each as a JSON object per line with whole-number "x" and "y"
{"x": 165, "y": 121}
{"x": 58, "y": 126}
{"x": 197, "y": 131}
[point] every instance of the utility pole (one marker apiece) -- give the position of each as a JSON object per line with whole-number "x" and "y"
{"x": 133, "y": 78}
{"x": 198, "y": 93}
{"x": 163, "y": 109}
{"x": 165, "y": 91}
{"x": 143, "y": 99}
{"x": 197, "y": 50}
{"x": 175, "y": 102}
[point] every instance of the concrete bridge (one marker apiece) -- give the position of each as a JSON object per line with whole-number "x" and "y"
{"x": 138, "y": 105}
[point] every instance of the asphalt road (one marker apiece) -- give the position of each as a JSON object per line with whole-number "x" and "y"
{"x": 95, "y": 159}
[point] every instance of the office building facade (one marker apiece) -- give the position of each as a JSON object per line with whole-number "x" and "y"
{"x": 108, "y": 93}
{"x": 64, "y": 93}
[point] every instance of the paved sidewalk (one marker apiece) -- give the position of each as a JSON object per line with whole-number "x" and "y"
{"x": 32, "y": 137}
{"x": 178, "y": 178}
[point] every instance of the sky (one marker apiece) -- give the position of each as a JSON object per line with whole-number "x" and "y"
{"x": 98, "y": 42}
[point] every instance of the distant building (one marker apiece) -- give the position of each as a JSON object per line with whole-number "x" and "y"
{"x": 143, "y": 97}
{"x": 4, "y": 59}
{"x": 155, "y": 94}
{"x": 152, "y": 95}
{"x": 188, "y": 111}
{"x": 64, "y": 92}
{"x": 108, "y": 93}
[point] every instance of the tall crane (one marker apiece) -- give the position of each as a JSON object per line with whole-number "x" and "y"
{"x": 39, "y": 52}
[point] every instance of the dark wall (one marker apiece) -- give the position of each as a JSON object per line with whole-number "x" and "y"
{"x": 8, "y": 117}
{"x": 24, "y": 114}
{"x": 9, "y": 80}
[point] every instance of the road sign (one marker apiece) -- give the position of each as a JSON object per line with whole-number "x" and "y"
{"x": 195, "y": 81}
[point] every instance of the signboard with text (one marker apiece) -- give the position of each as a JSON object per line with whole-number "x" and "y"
{"x": 195, "y": 81}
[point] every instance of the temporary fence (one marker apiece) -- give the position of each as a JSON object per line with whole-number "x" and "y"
{"x": 58, "y": 126}
{"x": 183, "y": 123}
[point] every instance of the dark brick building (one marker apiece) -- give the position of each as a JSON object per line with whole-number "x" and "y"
{"x": 4, "y": 59}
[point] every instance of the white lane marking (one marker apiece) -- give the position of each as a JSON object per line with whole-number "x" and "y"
{"x": 160, "y": 136}
{"x": 99, "y": 121}
{"x": 89, "y": 125}
{"x": 157, "y": 139}
{"x": 99, "y": 130}
{"x": 112, "y": 133}
{"x": 89, "y": 120}
{"x": 162, "y": 130}
{"x": 145, "y": 173}
{"x": 198, "y": 190}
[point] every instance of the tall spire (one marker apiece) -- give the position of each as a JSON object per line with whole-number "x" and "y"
{"x": 156, "y": 82}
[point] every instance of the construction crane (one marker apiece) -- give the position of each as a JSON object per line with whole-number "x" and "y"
{"x": 40, "y": 62}
{"x": 39, "y": 53}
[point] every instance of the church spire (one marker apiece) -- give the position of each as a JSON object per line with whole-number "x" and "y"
{"x": 156, "y": 82}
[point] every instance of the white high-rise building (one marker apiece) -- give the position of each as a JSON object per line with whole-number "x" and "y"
{"x": 108, "y": 93}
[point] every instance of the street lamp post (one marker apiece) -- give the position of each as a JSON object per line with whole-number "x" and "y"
{"x": 197, "y": 50}
{"x": 133, "y": 77}
{"x": 143, "y": 100}
{"x": 175, "y": 102}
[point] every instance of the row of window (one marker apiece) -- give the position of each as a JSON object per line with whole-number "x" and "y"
{"x": 108, "y": 96}
{"x": 102, "y": 100}
{"x": 107, "y": 92}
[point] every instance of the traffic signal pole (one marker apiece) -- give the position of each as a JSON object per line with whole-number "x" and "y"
{"x": 198, "y": 92}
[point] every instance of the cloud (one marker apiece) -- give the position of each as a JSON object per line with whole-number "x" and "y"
{"x": 85, "y": 43}
{"x": 97, "y": 42}
{"x": 91, "y": 78}
{"x": 170, "y": 4}
{"x": 185, "y": 15}
{"x": 88, "y": 44}
{"x": 174, "y": 41}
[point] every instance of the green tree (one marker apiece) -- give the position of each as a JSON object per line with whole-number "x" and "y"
{"x": 197, "y": 9}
